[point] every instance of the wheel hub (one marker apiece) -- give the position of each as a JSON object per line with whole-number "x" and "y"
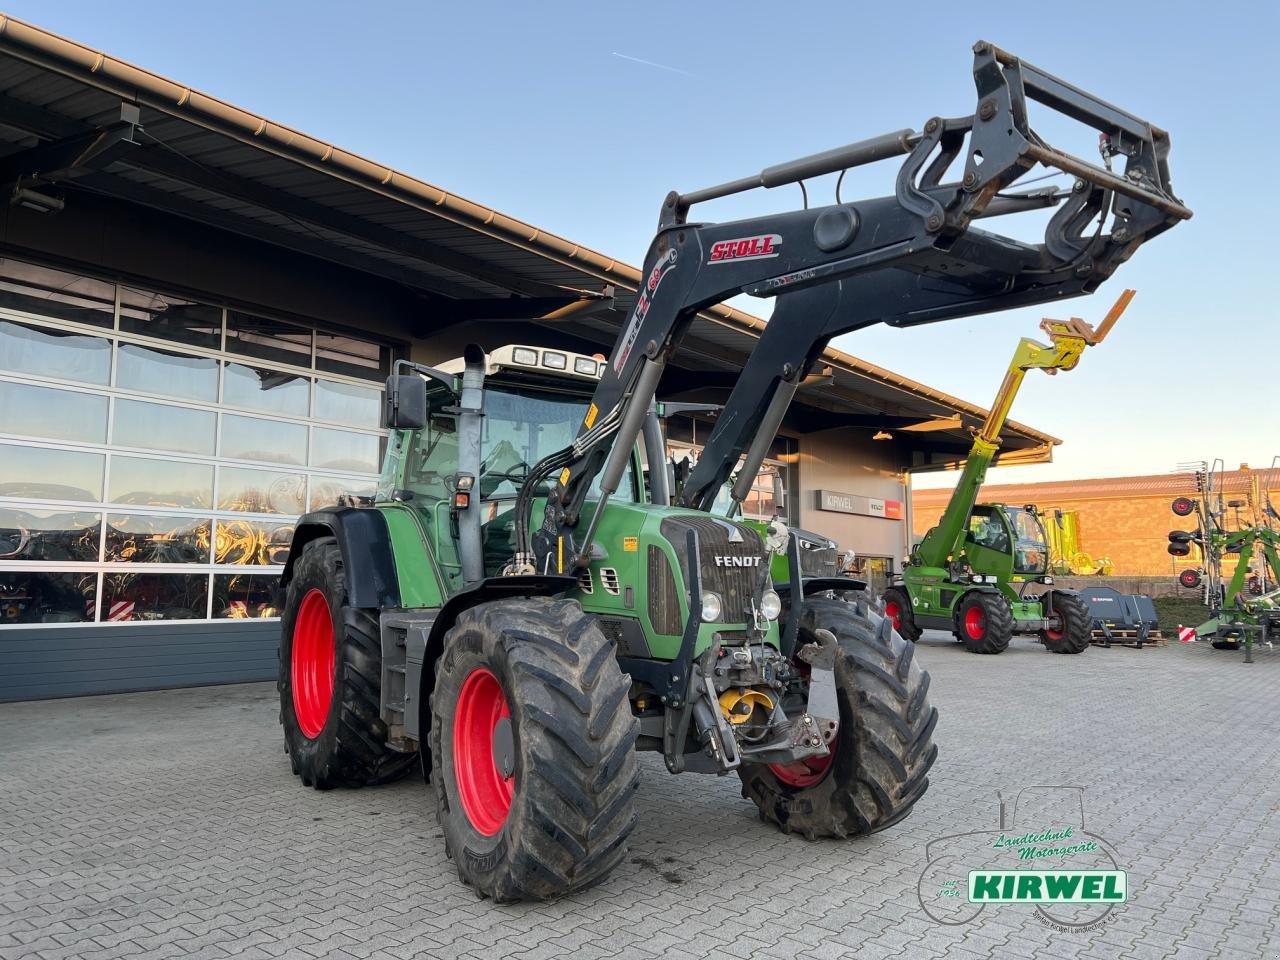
{"x": 894, "y": 613}
{"x": 312, "y": 662}
{"x": 975, "y": 623}
{"x": 484, "y": 751}
{"x": 807, "y": 772}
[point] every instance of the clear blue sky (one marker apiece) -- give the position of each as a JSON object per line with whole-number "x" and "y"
{"x": 542, "y": 110}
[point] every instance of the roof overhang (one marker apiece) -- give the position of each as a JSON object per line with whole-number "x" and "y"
{"x": 89, "y": 122}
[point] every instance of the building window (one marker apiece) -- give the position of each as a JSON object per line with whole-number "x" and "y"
{"x": 155, "y": 451}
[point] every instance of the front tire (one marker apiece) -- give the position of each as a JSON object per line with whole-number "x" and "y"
{"x": 898, "y": 611}
{"x": 880, "y": 759}
{"x": 533, "y": 745}
{"x": 1075, "y": 630}
{"x": 984, "y": 622}
{"x": 330, "y": 679}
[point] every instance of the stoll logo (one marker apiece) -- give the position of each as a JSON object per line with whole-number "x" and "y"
{"x": 1046, "y": 860}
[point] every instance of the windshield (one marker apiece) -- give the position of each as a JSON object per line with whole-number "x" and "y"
{"x": 1030, "y": 552}
{"x": 987, "y": 530}
{"x": 523, "y": 425}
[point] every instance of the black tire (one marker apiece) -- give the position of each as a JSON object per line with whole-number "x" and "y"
{"x": 572, "y": 763}
{"x": 990, "y": 629}
{"x": 1225, "y": 644}
{"x": 351, "y": 749}
{"x": 1076, "y": 631}
{"x": 884, "y": 747}
{"x": 905, "y": 620}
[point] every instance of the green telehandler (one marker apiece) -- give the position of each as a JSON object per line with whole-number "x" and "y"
{"x": 517, "y": 614}
{"x": 970, "y": 573}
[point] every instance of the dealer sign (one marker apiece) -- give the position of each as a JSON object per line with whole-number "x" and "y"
{"x": 836, "y": 502}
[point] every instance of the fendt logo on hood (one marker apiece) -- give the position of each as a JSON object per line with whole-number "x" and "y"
{"x": 737, "y": 561}
{"x": 746, "y": 248}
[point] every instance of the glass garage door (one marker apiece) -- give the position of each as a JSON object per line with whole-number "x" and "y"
{"x": 155, "y": 451}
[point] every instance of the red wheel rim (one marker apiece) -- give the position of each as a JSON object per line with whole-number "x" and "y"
{"x": 805, "y": 773}
{"x": 975, "y": 623}
{"x": 894, "y": 613}
{"x": 483, "y": 788}
{"x": 1053, "y": 634}
{"x": 312, "y": 663}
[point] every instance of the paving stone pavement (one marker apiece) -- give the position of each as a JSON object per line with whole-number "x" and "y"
{"x": 168, "y": 825}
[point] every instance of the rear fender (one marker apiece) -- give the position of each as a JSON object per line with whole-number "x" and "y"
{"x": 367, "y": 556}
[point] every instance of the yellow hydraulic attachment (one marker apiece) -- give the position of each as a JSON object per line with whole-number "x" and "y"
{"x": 1069, "y": 338}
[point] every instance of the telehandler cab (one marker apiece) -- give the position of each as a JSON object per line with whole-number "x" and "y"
{"x": 524, "y": 661}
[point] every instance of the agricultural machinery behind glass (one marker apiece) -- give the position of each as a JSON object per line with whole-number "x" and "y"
{"x": 1245, "y": 606}
{"x": 970, "y": 573}
{"x": 523, "y": 661}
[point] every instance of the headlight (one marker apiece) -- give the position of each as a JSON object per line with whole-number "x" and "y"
{"x": 710, "y": 607}
{"x": 771, "y": 605}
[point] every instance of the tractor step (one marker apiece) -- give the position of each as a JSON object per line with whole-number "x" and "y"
{"x": 404, "y": 634}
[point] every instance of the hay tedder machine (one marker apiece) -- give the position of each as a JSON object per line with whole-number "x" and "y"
{"x": 971, "y": 572}
{"x": 518, "y": 612}
{"x": 1245, "y": 606}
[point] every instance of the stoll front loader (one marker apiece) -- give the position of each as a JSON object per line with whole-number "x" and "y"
{"x": 970, "y": 573}
{"x": 514, "y": 614}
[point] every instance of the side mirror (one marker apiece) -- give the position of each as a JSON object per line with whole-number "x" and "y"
{"x": 779, "y": 496}
{"x": 406, "y": 403}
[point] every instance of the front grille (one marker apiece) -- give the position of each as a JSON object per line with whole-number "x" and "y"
{"x": 817, "y": 558}
{"x": 664, "y": 602}
{"x": 735, "y": 585}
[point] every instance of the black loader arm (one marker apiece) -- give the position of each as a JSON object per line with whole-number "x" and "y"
{"x": 912, "y": 257}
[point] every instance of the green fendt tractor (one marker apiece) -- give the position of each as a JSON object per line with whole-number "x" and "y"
{"x": 518, "y": 613}
{"x": 971, "y": 572}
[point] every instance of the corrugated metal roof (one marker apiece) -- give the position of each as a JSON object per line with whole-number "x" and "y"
{"x": 201, "y": 153}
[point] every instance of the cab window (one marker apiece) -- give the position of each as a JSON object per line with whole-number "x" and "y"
{"x": 987, "y": 530}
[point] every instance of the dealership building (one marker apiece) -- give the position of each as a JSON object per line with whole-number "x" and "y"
{"x": 198, "y": 308}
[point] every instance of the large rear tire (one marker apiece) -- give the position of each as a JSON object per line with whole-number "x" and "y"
{"x": 879, "y": 762}
{"x": 1075, "y": 630}
{"x": 533, "y": 746}
{"x": 984, "y": 622}
{"x": 330, "y": 679}
{"x": 898, "y": 611}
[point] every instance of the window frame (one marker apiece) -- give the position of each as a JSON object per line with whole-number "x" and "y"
{"x": 103, "y": 509}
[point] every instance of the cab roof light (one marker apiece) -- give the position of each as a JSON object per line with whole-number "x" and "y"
{"x": 585, "y": 366}
{"x": 556, "y": 361}
{"x": 526, "y": 356}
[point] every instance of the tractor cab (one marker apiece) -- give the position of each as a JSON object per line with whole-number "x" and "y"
{"x": 1007, "y": 538}
{"x": 534, "y": 402}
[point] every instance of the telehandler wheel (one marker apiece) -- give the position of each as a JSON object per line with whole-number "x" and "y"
{"x": 1225, "y": 644}
{"x": 533, "y": 746}
{"x": 984, "y": 622}
{"x": 329, "y": 680}
{"x": 882, "y": 753}
{"x": 1075, "y": 629}
{"x": 897, "y": 608}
